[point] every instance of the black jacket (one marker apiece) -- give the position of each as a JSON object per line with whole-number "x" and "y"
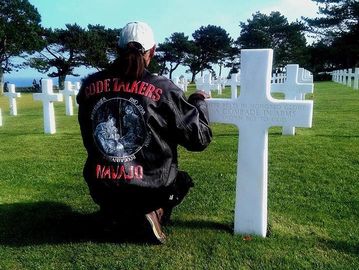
{"x": 131, "y": 130}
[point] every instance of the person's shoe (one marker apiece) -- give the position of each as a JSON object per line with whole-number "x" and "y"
{"x": 153, "y": 219}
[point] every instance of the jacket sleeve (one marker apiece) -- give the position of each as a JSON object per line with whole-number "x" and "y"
{"x": 191, "y": 129}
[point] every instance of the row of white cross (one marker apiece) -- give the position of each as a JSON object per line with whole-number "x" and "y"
{"x": 181, "y": 82}
{"x": 302, "y": 76}
{"x": 253, "y": 112}
{"x": 294, "y": 84}
{"x": 297, "y": 83}
{"x": 12, "y": 95}
{"x": 346, "y": 77}
{"x": 47, "y": 96}
{"x": 207, "y": 84}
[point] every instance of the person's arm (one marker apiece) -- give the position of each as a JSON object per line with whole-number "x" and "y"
{"x": 192, "y": 129}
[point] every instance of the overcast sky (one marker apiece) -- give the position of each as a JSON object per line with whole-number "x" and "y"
{"x": 164, "y": 16}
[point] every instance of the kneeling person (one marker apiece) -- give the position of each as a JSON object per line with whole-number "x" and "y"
{"x": 131, "y": 123}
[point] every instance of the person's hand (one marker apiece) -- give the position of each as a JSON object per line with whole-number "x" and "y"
{"x": 203, "y": 93}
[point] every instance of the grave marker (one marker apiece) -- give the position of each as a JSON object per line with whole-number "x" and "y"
{"x": 183, "y": 81}
{"x": 77, "y": 87}
{"x": 199, "y": 82}
{"x": 12, "y": 95}
{"x": 304, "y": 76}
{"x": 356, "y": 78}
{"x": 253, "y": 112}
{"x": 67, "y": 93}
{"x": 47, "y": 97}
{"x": 293, "y": 90}
{"x": 350, "y": 74}
{"x": 207, "y": 84}
{"x": 344, "y": 76}
{"x": 235, "y": 81}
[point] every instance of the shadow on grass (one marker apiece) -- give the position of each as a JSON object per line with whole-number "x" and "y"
{"x": 341, "y": 246}
{"x": 24, "y": 224}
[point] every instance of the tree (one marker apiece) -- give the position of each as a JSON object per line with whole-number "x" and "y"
{"x": 20, "y": 34}
{"x": 173, "y": 51}
{"x": 211, "y": 45}
{"x": 338, "y": 30}
{"x": 194, "y": 60}
{"x": 100, "y": 47}
{"x": 63, "y": 51}
{"x": 320, "y": 57}
{"x": 232, "y": 61}
{"x": 273, "y": 31}
{"x": 158, "y": 65}
{"x": 338, "y": 17}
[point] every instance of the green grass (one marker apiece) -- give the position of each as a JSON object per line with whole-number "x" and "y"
{"x": 46, "y": 214}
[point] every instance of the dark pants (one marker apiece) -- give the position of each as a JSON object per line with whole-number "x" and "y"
{"x": 137, "y": 201}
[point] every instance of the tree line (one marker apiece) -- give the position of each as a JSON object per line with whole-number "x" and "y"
{"x": 335, "y": 31}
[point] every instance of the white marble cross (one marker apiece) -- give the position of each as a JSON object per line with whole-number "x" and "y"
{"x": 207, "y": 83}
{"x": 48, "y": 97}
{"x": 235, "y": 81}
{"x": 350, "y": 74}
{"x": 183, "y": 81}
{"x": 67, "y": 93}
{"x": 176, "y": 80}
{"x": 253, "y": 112}
{"x": 304, "y": 76}
{"x": 12, "y": 95}
{"x": 344, "y": 76}
{"x": 293, "y": 90}
{"x": 356, "y": 78}
{"x": 77, "y": 90}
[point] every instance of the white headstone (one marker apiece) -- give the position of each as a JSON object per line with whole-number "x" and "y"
{"x": 207, "y": 83}
{"x": 350, "y": 74}
{"x": 67, "y": 93}
{"x": 12, "y": 95}
{"x": 222, "y": 81}
{"x": 235, "y": 82}
{"x": 183, "y": 81}
{"x": 176, "y": 80}
{"x": 77, "y": 87}
{"x": 356, "y": 78}
{"x": 253, "y": 112}
{"x": 293, "y": 90}
{"x": 199, "y": 83}
{"x": 304, "y": 76}
{"x": 344, "y": 81}
{"x": 48, "y": 98}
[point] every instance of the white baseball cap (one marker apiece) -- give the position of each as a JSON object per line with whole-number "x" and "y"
{"x": 137, "y": 32}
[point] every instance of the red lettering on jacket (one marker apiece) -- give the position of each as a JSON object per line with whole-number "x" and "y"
{"x": 142, "y": 88}
{"x": 157, "y": 94}
{"x": 99, "y": 87}
{"x": 149, "y": 90}
{"x": 106, "y": 85}
{"x": 119, "y": 172}
{"x": 136, "y": 87}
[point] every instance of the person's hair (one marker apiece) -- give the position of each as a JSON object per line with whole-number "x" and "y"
{"x": 130, "y": 64}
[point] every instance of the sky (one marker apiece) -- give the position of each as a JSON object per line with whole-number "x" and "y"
{"x": 164, "y": 16}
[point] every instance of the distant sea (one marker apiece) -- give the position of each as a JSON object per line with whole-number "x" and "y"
{"x": 27, "y": 81}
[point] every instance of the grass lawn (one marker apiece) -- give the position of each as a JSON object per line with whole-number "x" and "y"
{"x": 47, "y": 218}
